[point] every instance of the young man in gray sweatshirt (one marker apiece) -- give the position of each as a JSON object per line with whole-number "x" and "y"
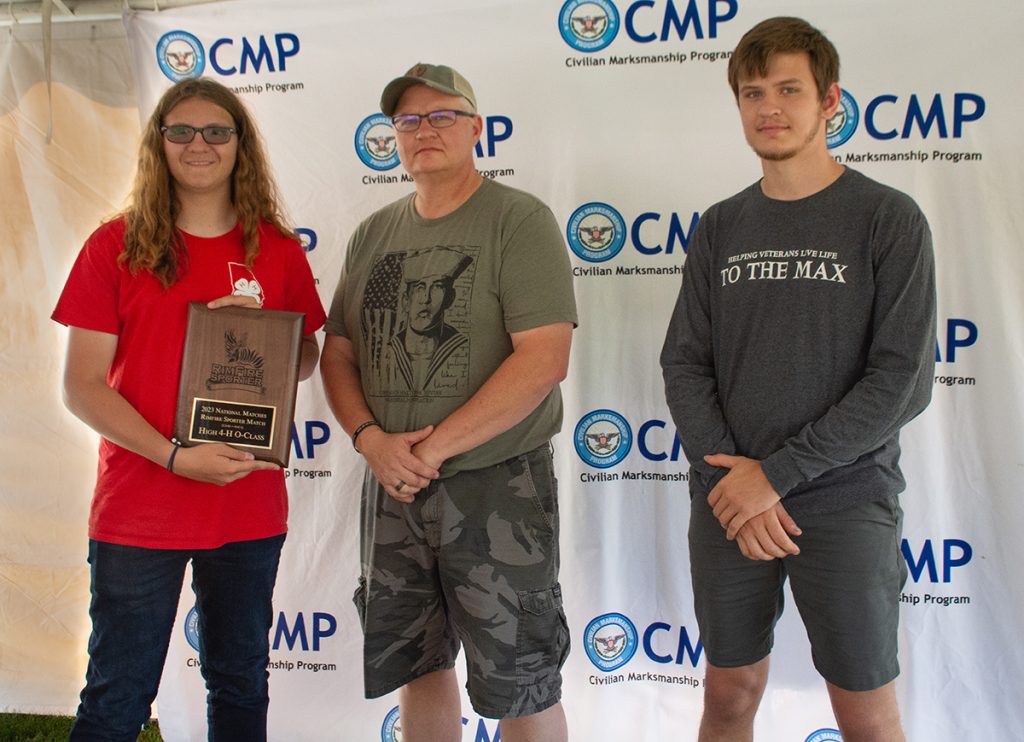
{"x": 801, "y": 342}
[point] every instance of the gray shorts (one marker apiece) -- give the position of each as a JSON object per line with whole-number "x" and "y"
{"x": 846, "y": 583}
{"x": 474, "y": 560}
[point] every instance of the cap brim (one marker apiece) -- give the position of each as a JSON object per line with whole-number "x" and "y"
{"x": 394, "y": 89}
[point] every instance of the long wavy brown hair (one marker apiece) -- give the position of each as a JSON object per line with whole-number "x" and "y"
{"x": 152, "y": 241}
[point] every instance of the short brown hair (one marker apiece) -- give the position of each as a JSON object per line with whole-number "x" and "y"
{"x": 780, "y": 36}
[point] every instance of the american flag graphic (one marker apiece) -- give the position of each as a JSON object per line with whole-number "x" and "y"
{"x": 380, "y": 310}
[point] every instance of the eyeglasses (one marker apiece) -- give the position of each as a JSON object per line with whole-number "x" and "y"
{"x": 438, "y": 119}
{"x": 182, "y": 134}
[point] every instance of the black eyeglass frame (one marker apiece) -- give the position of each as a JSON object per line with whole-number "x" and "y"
{"x": 419, "y": 117}
{"x": 201, "y": 130}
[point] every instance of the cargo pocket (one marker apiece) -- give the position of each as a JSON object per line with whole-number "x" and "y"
{"x": 542, "y": 641}
{"x": 359, "y": 600}
{"x": 543, "y": 486}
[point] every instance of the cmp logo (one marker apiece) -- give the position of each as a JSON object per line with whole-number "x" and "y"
{"x": 180, "y": 55}
{"x": 192, "y": 628}
{"x": 610, "y": 641}
{"x": 596, "y": 232}
{"x": 391, "y": 729}
{"x": 825, "y": 735}
{"x": 375, "y": 142}
{"x": 842, "y": 125}
{"x": 588, "y": 25}
{"x": 603, "y": 438}
{"x": 307, "y": 238}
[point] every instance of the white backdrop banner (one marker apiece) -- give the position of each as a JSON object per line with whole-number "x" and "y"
{"x": 618, "y": 115}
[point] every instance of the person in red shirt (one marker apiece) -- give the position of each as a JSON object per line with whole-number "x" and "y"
{"x": 204, "y": 224}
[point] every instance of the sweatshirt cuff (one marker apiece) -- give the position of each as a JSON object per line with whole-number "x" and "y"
{"x": 704, "y": 477}
{"x": 712, "y": 475}
{"x": 782, "y": 472}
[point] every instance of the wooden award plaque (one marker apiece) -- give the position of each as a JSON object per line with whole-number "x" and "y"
{"x": 239, "y": 376}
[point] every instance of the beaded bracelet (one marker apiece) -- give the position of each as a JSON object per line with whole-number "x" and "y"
{"x": 360, "y": 429}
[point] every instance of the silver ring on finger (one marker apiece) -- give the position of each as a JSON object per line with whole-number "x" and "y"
{"x": 399, "y": 486}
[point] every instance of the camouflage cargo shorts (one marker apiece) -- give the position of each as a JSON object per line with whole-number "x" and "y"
{"x": 473, "y": 561}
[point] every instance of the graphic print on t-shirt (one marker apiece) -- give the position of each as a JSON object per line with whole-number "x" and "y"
{"x": 416, "y": 321}
{"x": 244, "y": 283}
{"x": 780, "y": 265}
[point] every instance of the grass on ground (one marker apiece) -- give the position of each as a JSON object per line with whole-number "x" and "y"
{"x": 33, "y": 728}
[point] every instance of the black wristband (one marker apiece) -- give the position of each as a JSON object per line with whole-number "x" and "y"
{"x": 360, "y": 429}
{"x": 170, "y": 461}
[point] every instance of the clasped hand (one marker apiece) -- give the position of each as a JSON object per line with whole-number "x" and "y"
{"x": 750, "y": 510}
{"x": 402, "y": 462}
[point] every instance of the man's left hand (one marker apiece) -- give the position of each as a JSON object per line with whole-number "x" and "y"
{"x": 741, "y": 494}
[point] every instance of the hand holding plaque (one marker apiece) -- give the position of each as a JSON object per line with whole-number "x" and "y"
{"x": 239, "y": 376}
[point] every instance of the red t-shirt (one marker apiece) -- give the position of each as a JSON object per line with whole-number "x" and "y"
{"x": 137, "y": 502}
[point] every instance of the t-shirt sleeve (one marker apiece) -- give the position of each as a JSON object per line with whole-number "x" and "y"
{"x": 536, "y": 277}
{"x": 89, "y": 299}
{"x": 300, "y": 289}
{"x": 336, "y": 316}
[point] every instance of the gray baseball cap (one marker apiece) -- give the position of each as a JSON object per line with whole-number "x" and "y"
{"x": 437, "y": 76}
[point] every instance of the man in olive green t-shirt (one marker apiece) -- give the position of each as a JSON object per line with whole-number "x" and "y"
{"x": 448, "y": 335}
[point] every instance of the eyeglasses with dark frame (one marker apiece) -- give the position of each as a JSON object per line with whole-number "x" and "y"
{"x": 184, "y": 134}
{"x": 408, "y": 122}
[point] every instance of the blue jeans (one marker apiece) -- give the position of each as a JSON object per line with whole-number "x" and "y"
{"x": 135, "y": 594}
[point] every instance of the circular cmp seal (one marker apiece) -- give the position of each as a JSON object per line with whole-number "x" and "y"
{"x": 588, "y": 25}
{"x": 610, "y": 641}
{"x": 375, "y": 142}
{"x": 180, "y": 55}
{"x": 603, "y": 438}
{"x": 596, "y": 232}
{"x": 192, "y": 628}
{"x": 391, "y": 729}
{"x": 842, "y": 125}
{"x": 825, "y": 735}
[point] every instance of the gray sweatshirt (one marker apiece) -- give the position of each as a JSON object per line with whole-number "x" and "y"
{"x": 803, "y": 336}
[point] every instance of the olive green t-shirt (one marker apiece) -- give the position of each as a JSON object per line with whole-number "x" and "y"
{"x": 429, "y": 305}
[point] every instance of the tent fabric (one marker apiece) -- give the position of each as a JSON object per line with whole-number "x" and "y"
{"x": 636, "y": 130}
